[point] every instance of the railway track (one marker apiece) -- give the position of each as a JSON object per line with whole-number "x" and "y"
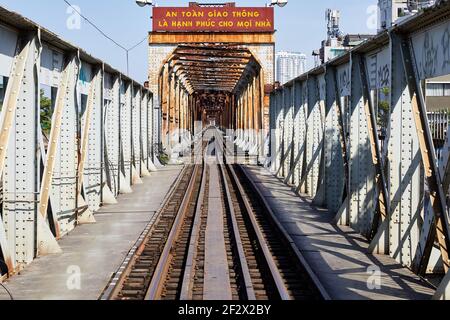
{"x": 134, "y": 281}
{"x": 251, "y": 258}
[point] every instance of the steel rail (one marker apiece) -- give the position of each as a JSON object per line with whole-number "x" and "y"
{"x": 279, "y": 282}
{"x": 189, "y": 271}
{"x": 113, "y": 290}
{"x": 312, "y": 276}
{"x": 269, "y": 259}
{"x": 157, "y": 283}
{"x": 249, "y": 290}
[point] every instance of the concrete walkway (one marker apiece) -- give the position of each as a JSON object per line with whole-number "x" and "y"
{"x": 92, "y": 253}
{"x": 338, "y": 255}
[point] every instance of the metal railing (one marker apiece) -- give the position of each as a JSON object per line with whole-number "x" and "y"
{"x": 439, "y": 122}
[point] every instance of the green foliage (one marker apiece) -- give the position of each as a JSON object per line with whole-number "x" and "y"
{"x": 384, "y": 107}
{"x": 386, "y": 91}
{"x": 164, "y": 158}
{"x": 46, "y": 113}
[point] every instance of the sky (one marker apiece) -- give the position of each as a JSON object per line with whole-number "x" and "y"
{"x": 300, "y": 25}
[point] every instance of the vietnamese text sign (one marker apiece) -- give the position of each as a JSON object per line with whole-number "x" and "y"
{"x": 213, "y": 19}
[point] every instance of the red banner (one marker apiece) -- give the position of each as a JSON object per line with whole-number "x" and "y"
{"x": 213, "y": 19}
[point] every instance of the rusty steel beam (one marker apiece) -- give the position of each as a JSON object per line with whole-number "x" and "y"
{"x": 209, "y": 64}
{"x": 219, "y": 37}
{"x": 212, "y": 68}
{"x": 210, "y": 73}
{"x": 216, "y": 87}
{"x": 212, "y": 80}
{"x": 236, "y": 48}
{"x": 223, "y": 61}
{"x": 223, "y": 54}
{"x": 196, "y": 57}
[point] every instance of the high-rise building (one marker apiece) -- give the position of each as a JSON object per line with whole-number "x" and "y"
{"x": 289, "y": 65}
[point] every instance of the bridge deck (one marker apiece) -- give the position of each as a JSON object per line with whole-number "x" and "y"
{"x": 338, "y": 255}
{"x": 96, "y": 250}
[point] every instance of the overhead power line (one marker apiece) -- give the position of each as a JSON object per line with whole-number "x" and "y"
{"x": 104, "y": 34}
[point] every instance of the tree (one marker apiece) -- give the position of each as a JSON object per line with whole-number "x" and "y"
{"x": 384, "y": 108}
{"x": 46, "y": 113}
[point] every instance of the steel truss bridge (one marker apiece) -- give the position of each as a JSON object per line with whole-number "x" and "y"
{"x": 326, "y": 141}
{"x": 100, "y": 142}
{"x": 324, "y": 135}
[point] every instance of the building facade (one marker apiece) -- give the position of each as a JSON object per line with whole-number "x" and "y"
{"x": 438, "y": 94}
{"x": 289, "y": 65}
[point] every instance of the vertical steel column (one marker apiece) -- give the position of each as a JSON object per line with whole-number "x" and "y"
{"x": 136, "y": 135}
{"x": 164, "y": 91}
{"x": 296, "y": 101}
{"x": 182, "y": 116}
{"x": 59, "y": 159}
{"x": 112, "y": 136}
{"x": 282, "y": 132}
{"x": 362, "y": 174}
{"x": 437, "y": 196}
{"x": 293, "y": 147}
{"x": 319, "y": 198}
{"x": 279, "y": 130}
{"x": 399, "y": 234}
{"x": 89, "y": 162}
{"x": 313, "y": 138}
{"x": 382, "y": 207}
{"x": 336, "y": 164}
{"x": 171, "y": 109}
{"x": 287, "y": 132}
{"x": 246, "y": 112}
{"x": 239, "y": 119}
{"x": 153, "y": 131}
{"x": 176, "y": 133}
{"x": 126, "y": 137}
{"x": 145, "y": 133}
{"x": 301, "y": 132}
{"x": 19, "y": 163}
{"x": 243, "y": 117}
{"x": 261, "y": 132}
{"x": 252, "y": 130}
